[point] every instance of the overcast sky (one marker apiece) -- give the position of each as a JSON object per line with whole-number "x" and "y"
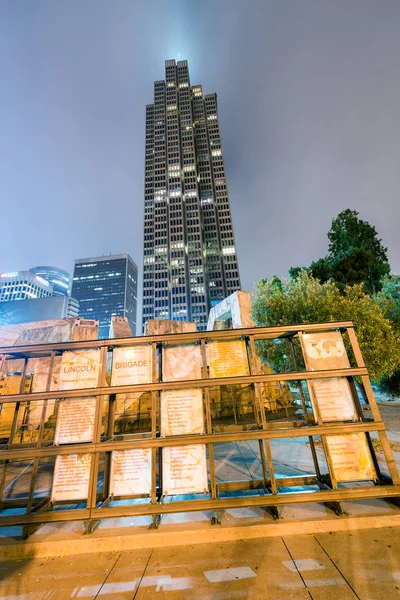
{"x": 309, "y": 105}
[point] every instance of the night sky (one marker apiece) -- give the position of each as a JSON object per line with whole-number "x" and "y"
{"x": 309, "y": 105}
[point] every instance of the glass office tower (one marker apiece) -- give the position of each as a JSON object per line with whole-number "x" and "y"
{"x": 23, "y": 285}
{"x": 60, "y": 279}
{"x": 190, "y": 260}
{"x": 106, "y": 286}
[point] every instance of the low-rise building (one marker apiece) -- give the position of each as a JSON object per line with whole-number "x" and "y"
{"x": 23, "y": 285}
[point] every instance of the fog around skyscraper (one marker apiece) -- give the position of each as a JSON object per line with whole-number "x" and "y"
{"x": 308, "y": 97}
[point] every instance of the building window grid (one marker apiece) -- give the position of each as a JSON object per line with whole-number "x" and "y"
{"x": 177, "y": 148}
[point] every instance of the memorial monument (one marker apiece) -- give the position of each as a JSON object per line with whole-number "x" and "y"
{"x": 115, "y": 427}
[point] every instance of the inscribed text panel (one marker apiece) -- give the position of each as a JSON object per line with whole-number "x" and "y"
{"x": 71, "y": 477}
{"x": 75, "y": 420}
{"x": 351, "y": 457}
{"x": 227, "y": 358}
{"x": 131, "y": 365}
{"x": 181, "y": 362}
{"x": 130, "y": 472}
{"x": 79, "y": 369}
{"x": 334, "y": 399}
{"x": 182, "y": 412}
{"x": 184, "y": 470}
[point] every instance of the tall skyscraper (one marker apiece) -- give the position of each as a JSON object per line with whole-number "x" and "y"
{"x": 190, "y": 260}
{"x": 106, "y": 286}
{"x": 60, "y": 279}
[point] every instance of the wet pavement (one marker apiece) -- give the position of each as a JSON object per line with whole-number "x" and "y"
{"x": 362, "y": 564}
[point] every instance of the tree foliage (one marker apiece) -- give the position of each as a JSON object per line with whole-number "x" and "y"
{"x": 355, "y": 255}
{"x": 306, "y": 300}
{"x": 391, "y": 385}
{"x": 389, "y": 297}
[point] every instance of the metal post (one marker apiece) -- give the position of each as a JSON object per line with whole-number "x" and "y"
{"x": 17, "y": 406}
{"x": 216, "y": 519}
{"x": 94, "y": 463}
{"x": 306, "y": 418}
{"x": 254, "y": 371}
{"x": 39, "y": 440}
{"x": 264, "y": 425}
{"x": 374, "y": 408}
{"x": 155, "y": 378}
{"x": 3, "y": 482}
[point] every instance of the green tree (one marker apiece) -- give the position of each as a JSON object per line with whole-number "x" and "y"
{"x": 355, "y": 255}
{"x": 391, "y": 385}
{"x": 389, "y": 298}
{"x": 321, "y": 269}
{"x": 307, "y": 300}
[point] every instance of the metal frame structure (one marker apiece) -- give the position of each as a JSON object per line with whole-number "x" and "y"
{"x": 271, "y": 494}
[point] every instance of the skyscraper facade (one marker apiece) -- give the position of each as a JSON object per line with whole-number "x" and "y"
{"x": 38, "y": 309}
{"x": 60, "y": 279}
{"x": 23, "y": 285}
{"x": 106, "y": 286}
{"x": 190, "y": 260}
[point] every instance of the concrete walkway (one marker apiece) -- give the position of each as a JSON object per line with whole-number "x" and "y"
{"x": 361, "y": 564}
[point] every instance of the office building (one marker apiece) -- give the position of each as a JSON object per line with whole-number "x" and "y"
{"x": 190, "y": 260}
{"x": 60, "y": 279}
{"x": 23, "y": 285}
{"x": 38, "y": 309}
{"x": 106, "y": 286}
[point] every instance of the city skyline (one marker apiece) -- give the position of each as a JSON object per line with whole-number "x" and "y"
{"x": 189, "y": 253}
{"x": 308, "y": 102}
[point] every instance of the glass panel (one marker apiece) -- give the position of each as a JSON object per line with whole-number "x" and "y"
{"x": 132, "y": 413}
{"x": 232, "y": 406}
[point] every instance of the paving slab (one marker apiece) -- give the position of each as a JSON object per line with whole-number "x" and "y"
{"x": 369, "y": 560}
{"x": 317, "y": 570}
{"x": 343, "y": 566}
{"x": 222, "y": 571}
{"x": 58, "y": 578}
{"x": 124, "y": 580}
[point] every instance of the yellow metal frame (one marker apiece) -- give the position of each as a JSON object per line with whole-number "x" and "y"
{"x": 40, "y": 510}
